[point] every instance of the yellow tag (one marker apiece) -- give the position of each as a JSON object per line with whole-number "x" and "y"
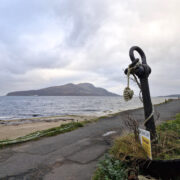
{"x": 146, "y": 144}
{"x": 145, "y": 141}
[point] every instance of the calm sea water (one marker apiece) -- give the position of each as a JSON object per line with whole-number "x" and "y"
{"x": 16, "y": 107}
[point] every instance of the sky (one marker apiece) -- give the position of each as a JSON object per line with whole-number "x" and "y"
{"x": 54, "y": 42}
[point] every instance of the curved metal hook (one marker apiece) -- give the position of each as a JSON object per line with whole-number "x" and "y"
{"x": 141, "y": 53}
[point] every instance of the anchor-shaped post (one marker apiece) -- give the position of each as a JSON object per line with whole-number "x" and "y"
{"x": 142, "y": 71}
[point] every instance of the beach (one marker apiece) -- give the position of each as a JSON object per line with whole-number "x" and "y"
{"x": 16, "y": 128}
{"x": 20, "y": 116}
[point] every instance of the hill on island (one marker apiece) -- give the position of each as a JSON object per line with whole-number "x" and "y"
{"x": 173, "y": 95}
{"x": 82, "y": 89}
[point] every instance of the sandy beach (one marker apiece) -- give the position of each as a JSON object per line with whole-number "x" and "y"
{"x": 16, "y": 128}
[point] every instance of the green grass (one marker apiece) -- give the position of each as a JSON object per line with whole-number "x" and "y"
{"x": 173, "y": 125}
{"x": 44, "y": 133}
{"x": 168, "y": 146}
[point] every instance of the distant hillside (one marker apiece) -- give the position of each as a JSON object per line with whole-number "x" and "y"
{"x": 173, "y": 95}
{"x": 83, "y": 89}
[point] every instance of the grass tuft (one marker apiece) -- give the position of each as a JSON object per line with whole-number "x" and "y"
{"x": 127, "y": 147}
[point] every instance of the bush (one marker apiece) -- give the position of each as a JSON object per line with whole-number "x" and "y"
{"x": 110, "y": 169}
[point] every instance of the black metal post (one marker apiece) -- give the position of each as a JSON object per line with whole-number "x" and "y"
{"x": 150, "y": 124}
{"x": 143, "y": 71}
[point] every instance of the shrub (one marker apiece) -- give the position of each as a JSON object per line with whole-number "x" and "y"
{"x": 110, "y": 169}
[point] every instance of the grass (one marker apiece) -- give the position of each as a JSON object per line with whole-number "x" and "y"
{"x": 126, "y": 147}
{"x": 168, "y": 146}
{"x": 126, "y": 151}
{"x": 44, "y": 133}
{"x": 172, "y": 125}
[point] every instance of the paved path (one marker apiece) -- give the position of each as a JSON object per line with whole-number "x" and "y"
{"x": 73, "y": 155}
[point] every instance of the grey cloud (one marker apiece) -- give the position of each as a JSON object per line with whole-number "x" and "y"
{"x": 91, "y": 38}
{"x": 83, "y": 18}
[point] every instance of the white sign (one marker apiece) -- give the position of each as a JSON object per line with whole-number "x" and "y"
{"x": 145, "y": 139}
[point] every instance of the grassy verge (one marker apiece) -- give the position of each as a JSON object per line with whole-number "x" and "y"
{"x": 44, "y": 133}
{"x": 168, "y": 146}
{"x": 127, "y": 148}
{"x": 172, "y": 125}
{"x": 48, "y": 132}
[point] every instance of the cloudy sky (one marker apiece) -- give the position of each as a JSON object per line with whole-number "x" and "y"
{"x": 54, "y": 42}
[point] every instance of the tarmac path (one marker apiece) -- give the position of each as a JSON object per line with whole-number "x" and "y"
{"x": 73, "y": 155}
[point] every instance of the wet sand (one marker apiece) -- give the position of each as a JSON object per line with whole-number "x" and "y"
{"x": 17, "y": 128}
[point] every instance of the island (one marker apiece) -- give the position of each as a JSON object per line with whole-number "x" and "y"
{"x": 173, "y": 95}
{"x": 82, "y": 89}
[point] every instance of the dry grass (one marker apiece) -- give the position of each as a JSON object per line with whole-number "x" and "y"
{"x": 168, "y": 146}
{"x": 127, "y": 147}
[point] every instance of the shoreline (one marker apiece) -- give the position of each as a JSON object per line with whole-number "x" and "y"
{"x": 45, "y": 119}
{"x": 72, "y": 117}
{"x": 18, "y": 119}
{"x": 12, "y": 129}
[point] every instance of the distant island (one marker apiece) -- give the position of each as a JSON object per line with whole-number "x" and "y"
{"x": 82, "y": 89}
{"x": 173, "y": 95}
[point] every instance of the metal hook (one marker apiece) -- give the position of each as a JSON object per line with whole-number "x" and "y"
{"x": 141, "y": 53}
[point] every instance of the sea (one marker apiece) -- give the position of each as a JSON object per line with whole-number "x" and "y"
{"x": 24, "y": 107}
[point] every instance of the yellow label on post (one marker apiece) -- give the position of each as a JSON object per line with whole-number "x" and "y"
{"x": 146, "y": 144}
{"x": 145, "y": 141}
